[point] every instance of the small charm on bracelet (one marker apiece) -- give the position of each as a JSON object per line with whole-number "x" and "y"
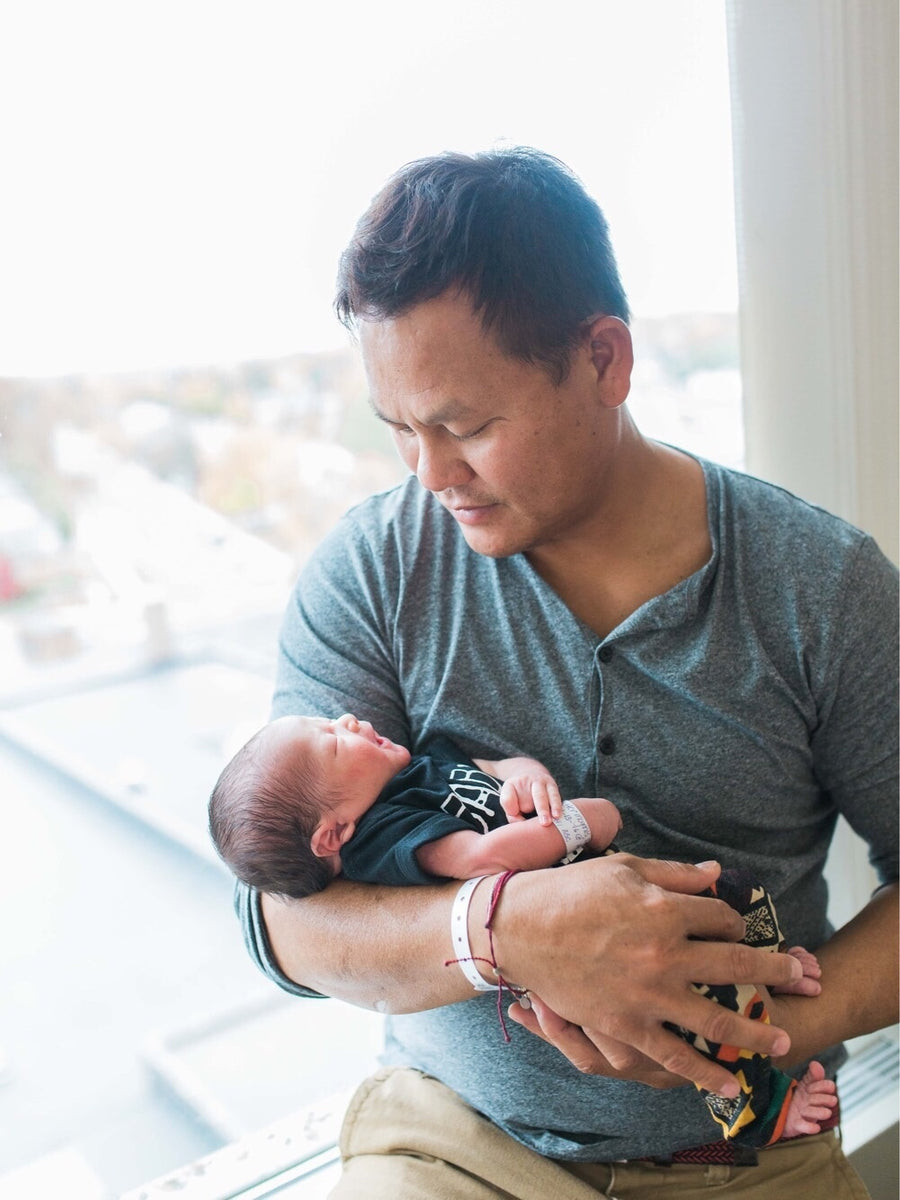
{"x": 524, "y": 1000}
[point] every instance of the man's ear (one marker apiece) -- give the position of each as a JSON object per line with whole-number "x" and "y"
{"x": 329, "y": 836}
{"x": 612, "y": 355}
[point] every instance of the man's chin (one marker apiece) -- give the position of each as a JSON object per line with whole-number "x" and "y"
{"x": 492, "y": 543}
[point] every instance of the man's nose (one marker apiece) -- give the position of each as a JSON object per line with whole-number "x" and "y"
{"x": 439, "y": 465}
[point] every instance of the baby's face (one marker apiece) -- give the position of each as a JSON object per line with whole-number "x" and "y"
{"x": 355, "y": 762}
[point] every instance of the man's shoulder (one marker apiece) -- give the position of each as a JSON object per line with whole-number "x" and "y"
{"x": 761, "y": 516}
{"x": 776, "y": 509}
{"x": 784, "y": 551}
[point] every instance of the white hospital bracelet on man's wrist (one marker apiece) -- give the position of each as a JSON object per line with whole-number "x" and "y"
{"x": 573, "y": 826}
{"x": 459, "y": 933}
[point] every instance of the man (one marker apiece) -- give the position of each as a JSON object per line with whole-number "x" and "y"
{"x": 711, "y": 654}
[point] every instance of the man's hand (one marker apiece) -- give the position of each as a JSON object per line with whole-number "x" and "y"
{"x": 611, "y": 946}
{"x": 587, "y": 1053}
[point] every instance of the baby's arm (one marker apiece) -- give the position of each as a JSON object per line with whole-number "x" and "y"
{"x": 521, "y": 845}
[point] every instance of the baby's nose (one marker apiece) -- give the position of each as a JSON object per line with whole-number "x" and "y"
{"x": 349, "y": 722}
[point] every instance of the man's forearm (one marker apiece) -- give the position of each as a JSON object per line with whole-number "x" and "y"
{"x": 612, "y": 944}
{"x": 859, "y": 983}
{"x": 381, "y": 948}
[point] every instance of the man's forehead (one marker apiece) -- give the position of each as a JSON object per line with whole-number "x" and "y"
{"x": 434, "y": 362}
{"x": 435, "y": 328}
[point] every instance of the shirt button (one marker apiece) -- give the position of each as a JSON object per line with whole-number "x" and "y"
{"x": 607, "y": 744}
{"x": 605, "y": 654}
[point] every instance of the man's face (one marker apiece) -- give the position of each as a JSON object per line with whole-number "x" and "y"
{"x": 513, "y": 457}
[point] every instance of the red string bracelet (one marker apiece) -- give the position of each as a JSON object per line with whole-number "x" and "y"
{"x": 503, "y": 985}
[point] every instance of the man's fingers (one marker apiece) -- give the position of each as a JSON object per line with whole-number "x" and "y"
{"x": 582, "y": 1051}
{"x": 566, "y": 1037}
{"x": 731, "y": 962}
{"x": 625, "y": 1059}
{"x": 720, "y": 1025}
{"x": 680, "y": 1059}
{"x": 527, "y": 1018}
{"x": 570, "y": 1040}
{"x": 594, "y": 1053}
{"x": 687, "y": 878}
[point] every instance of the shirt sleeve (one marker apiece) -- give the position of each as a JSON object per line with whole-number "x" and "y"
{"x": 334, "y": 657}
{"x": 383, "y": 849}
{"x": 247, "y": 907}
{"x": 855, "y": 750}
{"x": 336, "y": 648}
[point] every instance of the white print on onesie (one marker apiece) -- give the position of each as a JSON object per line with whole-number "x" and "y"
{"x": 470, "y": 796}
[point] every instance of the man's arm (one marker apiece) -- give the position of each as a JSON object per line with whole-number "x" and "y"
{"x": 626, "y": 966}
{"x": 860, "y": 967}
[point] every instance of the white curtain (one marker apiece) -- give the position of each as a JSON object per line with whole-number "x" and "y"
{"x": 815, "y": 118}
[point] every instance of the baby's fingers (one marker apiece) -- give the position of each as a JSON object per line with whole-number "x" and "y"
{"x": 546, "y": 799}
{"x": 511, "y": 800}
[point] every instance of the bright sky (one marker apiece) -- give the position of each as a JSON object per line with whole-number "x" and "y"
{"x": 180, "y": 176}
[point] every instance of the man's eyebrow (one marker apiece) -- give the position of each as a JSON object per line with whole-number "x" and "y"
{"x": 453, "y": 410}
{"x": 382, "y": 417}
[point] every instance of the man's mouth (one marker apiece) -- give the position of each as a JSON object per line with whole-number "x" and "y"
{"x": 470, "y": 514}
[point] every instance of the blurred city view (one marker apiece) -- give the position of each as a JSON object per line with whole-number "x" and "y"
{"x": 151, "y": 527}
{"x": 157, "y": 510}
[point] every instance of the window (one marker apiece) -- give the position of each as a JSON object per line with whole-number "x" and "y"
{"x": 181, "y": 420}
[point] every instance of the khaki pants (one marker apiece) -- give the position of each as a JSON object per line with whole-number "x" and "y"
{"x": 407, "y": 1137}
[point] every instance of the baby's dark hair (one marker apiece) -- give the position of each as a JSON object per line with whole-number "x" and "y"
{"x": 261, "y": 821}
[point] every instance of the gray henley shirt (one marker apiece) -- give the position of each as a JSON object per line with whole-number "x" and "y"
{"x": 733, "y": 717}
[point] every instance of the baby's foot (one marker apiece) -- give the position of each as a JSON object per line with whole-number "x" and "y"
{"x": 812, "y": 1102}
{"x": 808, "y": 983}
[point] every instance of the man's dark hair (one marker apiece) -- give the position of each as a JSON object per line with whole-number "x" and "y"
{"x": 513, "y": 229}
{"x": 261, "y": 822}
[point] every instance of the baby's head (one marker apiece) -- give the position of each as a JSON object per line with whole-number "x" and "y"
{"x": 291, "y": 797}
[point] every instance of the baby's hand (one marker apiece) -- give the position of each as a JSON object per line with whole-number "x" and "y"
{"x": 532, "y": 791}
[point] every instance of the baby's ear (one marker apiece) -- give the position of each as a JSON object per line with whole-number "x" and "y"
{"x": 329, "y": 836}
{"x": 325, "y": 840}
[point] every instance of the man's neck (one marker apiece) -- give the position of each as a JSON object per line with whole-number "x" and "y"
{"x": 649, "y": 533}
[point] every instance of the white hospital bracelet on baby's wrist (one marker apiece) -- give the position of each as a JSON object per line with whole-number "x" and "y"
{"x": 573, "y": 826}
{"x": 459, "y": 933}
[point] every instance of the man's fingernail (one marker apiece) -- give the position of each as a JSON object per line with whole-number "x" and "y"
{"x": 781, "y": 1046}
{"x": 710, "y": 862}
{"x": 731, "y": 1090}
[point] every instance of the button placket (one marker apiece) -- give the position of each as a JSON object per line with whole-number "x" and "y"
{"x": 605, "y": 742}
